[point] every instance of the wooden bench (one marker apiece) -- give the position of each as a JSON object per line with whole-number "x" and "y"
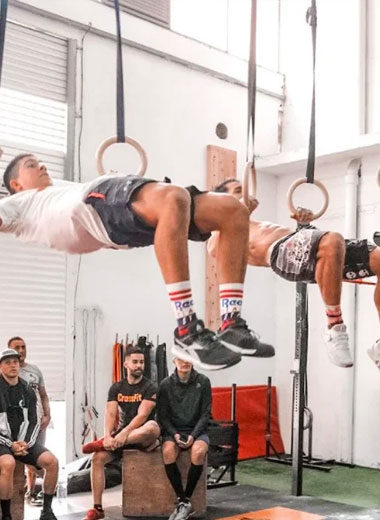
{"x": 146, "y": 488}
{"x": 17, "y": 503}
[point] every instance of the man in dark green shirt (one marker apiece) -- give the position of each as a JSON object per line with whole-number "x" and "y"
{"x": 183, "y": 410}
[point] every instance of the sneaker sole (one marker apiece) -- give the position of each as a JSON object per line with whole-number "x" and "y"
{"x": 185, "y": 356}
{"x": 341, "y": 365}
{"x": 243, "y": 351}
{"x": 372, "y": 357}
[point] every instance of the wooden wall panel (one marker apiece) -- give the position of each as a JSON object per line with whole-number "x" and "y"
{"x": 221, "y": 164}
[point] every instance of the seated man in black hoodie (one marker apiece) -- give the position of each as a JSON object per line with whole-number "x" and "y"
{"x": 19, "y": 428}
{"x": 183, "y": 410}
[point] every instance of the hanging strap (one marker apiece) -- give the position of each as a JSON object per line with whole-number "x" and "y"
{"x": 311, "y": 19}
{"x": 120, "y": 126}
{"x": 252, "y": 83}
{"x": 3, "y": 21}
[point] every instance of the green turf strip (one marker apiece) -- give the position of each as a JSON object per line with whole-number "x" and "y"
{"x": 356, "y": 486}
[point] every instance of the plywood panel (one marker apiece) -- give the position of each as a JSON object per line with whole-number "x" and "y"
{"x": 221, "y": 164}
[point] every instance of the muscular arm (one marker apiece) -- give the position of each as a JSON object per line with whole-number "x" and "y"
{"x": 45, "y": 406}
{"x": 110, "y": 418}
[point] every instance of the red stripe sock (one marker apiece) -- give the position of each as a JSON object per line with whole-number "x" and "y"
{"x": 231, "y": 301}
{"x": 181, "y": 297}
{"x": 334, "y": 315}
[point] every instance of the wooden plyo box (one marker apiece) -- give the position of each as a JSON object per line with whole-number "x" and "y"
{"x": 146, "y": 488}
{"x": 17, "y": 502}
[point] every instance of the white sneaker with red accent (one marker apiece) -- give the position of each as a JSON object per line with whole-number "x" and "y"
{"x": 374, "y": 353}
{"x": 336, "y": 340}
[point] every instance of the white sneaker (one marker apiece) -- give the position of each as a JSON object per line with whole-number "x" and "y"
{"x": 336, "y": 340}
{"x": 374, "y": 353}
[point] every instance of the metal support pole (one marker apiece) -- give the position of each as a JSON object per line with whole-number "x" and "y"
{"x": 269, "y": 413}
{"x": 300, "y": 362}
{"x": 233, "y": 402}
{"x": 233, "y": 418}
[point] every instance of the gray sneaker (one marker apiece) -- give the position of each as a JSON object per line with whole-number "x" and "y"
{"x": 183, "y": 511}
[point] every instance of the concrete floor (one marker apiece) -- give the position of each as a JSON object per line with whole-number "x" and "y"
{"x": 224, "y": 502}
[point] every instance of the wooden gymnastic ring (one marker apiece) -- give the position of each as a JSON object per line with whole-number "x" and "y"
{"x": 112, "y": 140}
{"x": 249, "y": 175}
{"x": 320, "y": 185}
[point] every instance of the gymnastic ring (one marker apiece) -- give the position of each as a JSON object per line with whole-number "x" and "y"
{"x": 249, "y": 174}
{"x": 320, "y": 185}
{"x": 112, "y": 140}
{"x": 378, "y": 176}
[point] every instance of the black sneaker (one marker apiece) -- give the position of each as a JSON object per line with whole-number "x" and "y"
{"x": 47, "y": 515}
{"x": 239, "y": 338}
{"x": 200, "y": 347}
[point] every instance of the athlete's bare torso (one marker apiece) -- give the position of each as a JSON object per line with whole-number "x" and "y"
{"x": 261, "y": 236}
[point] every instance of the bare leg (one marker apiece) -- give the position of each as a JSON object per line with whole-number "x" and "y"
{"x": 7, "y": 466}
{"x": 146, "y": 435}
{"x": 49, "y": 463}
{"x": 223, "y": 213}
{"x": 170, "y": 452}
{"x": 330, "y": 261}
{"x": 30, "y": 479}
{"x": 99, "y": 459}
{"x": 374, "y": 263}
{"x": 167, "y": 208}
{"x": 198, "y": 452}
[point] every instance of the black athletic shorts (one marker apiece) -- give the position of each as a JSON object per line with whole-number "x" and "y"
{"x": 295, "y": 257}
{"x": 201, "y": 437}
{"x": 31, "y": 458}
{"x": 122, "y": 224}
{"x": 356, "y": 262}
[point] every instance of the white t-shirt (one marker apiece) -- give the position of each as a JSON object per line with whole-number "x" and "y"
{"x": 56, "y": 217}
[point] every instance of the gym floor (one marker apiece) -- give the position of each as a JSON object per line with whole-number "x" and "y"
{"x": 342, "y": 494}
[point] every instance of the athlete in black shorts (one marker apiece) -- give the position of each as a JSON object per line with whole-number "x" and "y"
{"x": 130, "y": 211}
{"x": 313, "y": 256}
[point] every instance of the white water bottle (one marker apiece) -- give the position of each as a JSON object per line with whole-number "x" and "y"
{"x": 62, "y": 485}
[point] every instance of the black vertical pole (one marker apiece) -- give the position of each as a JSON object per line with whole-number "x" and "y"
{"x": 269, "y": 413}
{"x": 233, "y": 418}
{"x": 299, "y": 386}
{"x": 3, "y": 22}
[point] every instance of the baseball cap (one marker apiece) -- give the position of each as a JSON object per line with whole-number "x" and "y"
{"x": 8, "y": 352}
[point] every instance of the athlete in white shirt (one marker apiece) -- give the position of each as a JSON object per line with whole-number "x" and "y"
{"x": 132, "y": 211}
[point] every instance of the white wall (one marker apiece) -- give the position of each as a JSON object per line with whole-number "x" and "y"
{"x": 173, "y": 110}
{"x": 337, "y": 68}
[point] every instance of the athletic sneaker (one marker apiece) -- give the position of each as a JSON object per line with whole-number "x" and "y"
{"x": 183, "y": 511}
{"x": 200, "y": 347}
{"x": 34, "y": 499}
{"x": 237, "y": 337}
{"x": 336, "y": 340}
{"x": 374, "y": 353}
{"x": 47, "y": 515}
{"x": 94, "y": 514}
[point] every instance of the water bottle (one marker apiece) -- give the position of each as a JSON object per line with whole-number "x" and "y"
{"x": 62, "y": 485}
